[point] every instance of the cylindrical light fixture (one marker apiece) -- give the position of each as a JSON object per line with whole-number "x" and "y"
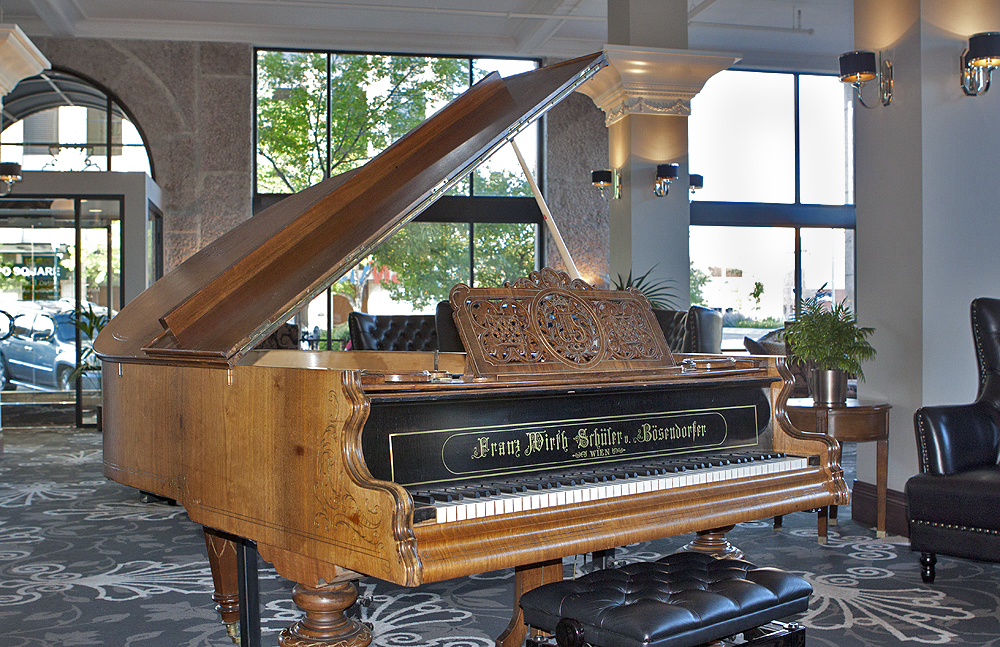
{"x": 665, "y": 173}
{"x": 602, "y": 178}
{"x": 10, "y": 173}
{"x": 858, "y": 67}
{"x": 984, "y": 49}
{"x": 696, "y": 180}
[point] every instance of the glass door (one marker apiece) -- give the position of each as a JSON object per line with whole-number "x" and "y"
{"x": 60, "y": 280}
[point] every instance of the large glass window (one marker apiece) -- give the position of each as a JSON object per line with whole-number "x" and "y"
{"x": 774, "y": 221}
{"x": 324, "y": 113}
{"x": 742, "y": 137}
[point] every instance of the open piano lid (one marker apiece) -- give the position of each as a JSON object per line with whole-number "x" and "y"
{"x": 230, "y": 295}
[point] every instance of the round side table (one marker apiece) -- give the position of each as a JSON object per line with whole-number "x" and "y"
{"x": 856, "y": 421}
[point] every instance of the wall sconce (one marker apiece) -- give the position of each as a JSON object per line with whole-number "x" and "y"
{"x": 858, "y": 68}
{"x": 10, "y": 173}
{"x": 978, "y": 61}
{"x": 607, "y": 179}
{"x": 664, "y": 173}
{"x": 696, "y": 181}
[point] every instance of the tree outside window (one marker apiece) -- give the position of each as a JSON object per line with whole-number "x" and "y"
{"x": 321, "y": 114}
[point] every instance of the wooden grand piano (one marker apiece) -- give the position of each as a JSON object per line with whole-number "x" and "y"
{"x": 567, "y": 427}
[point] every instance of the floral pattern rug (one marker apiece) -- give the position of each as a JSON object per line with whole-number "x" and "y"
{"x": 84, "y": 562}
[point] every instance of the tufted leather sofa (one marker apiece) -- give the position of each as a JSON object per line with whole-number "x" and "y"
{"x": 699, "y": 330}
{"x": 953, "y": 505}
{"x": 392, "y": 332}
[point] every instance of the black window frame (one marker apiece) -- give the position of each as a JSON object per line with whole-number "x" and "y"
{"x": 469, "y": 209}
{"x": 773, "y": 214}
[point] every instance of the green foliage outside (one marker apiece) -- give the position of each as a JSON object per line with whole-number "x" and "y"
{"x": 376, "y": 100}
{"x": 699, "y": 279}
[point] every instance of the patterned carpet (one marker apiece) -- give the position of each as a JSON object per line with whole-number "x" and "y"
{"x": 84, "y": 562}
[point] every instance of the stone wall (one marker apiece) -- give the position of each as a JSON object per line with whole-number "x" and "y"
{"x": 194, "y": 105}
{"x": 577, "y": 143}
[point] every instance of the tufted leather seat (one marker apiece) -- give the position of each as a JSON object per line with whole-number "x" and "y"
{"x": 392, "y": 332}
{"x": 698, "y": 330}
{"x": 682, "y": 600}
{"x": 952, "y": 504}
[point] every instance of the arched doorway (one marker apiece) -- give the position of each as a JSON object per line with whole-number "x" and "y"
{"x": 63, "y": 256}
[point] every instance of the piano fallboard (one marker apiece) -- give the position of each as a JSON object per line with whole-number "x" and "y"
{"x": 470, "y": 437}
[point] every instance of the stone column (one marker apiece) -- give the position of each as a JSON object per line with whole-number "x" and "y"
{"x": 645, "y": 94}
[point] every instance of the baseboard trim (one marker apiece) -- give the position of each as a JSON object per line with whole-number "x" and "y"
{"x": 863, "y": 509}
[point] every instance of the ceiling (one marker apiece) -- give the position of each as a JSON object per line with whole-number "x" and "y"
{"x": 806, "y": 35}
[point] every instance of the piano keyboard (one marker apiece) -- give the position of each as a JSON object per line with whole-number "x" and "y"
{"x": 459, "y": 503}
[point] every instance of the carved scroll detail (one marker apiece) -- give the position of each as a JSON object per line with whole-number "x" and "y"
{"x": 549, "y": 324}
{"x": 340, "y": 508}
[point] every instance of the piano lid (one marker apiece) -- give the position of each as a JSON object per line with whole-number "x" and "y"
{"x": 230, "y": 295}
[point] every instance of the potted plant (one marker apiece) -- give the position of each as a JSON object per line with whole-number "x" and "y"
{"x": 828, "y": 338}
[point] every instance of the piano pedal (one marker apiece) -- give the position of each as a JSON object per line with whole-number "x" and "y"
{"x": 773, "y": 634}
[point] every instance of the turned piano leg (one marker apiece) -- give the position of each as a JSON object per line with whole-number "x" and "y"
{"x": 222, "y": 559}
{"x": 713, "y": 542}
{"x": 526, "y": 578}
{"x": 326, "y": 622}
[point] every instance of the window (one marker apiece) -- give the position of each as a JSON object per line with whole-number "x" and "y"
{"x": 320, "y": 114}
{"x": 57, "y": 121}
{"x": 775, "y": 218}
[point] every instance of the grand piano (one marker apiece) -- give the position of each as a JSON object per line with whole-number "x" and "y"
{"x": 566, "y": 427}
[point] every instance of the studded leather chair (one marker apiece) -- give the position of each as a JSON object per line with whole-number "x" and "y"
{"x": 698, "y": 330}
{"x": 952, "y": 505}
{"x": 392, "y": 332}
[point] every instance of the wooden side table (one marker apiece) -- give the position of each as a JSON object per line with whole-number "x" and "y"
{"x": 853, "y": 422}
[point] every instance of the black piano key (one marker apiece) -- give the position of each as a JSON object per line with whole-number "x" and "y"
{"x": 424, "y": 513}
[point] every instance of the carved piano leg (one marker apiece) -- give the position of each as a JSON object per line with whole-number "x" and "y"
{"x": 222, "y": 560}
{"x": 713, "y": 542}
{"x": 527, "y": 578}
{"x": 325, "y": 622}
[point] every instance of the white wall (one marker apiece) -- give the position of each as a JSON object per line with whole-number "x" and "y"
{"x": 927, "y": 215}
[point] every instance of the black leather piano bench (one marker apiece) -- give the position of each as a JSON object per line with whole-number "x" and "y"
{"x": 682, "y": 600}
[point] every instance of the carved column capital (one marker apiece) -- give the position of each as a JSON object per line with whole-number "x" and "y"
{"x": 643, "y": 80}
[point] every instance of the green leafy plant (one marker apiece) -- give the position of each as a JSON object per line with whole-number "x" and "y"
{"x": 659, "y": 293}
{"x": 89, "y": 323}
{"x": 830, "y": 338}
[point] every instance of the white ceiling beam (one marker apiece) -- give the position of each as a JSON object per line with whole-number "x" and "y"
{"x": 59, "y": 16}
{"x": 539, "y": 33}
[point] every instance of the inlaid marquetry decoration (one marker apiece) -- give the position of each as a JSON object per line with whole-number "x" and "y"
{"x": 548, "y": 325}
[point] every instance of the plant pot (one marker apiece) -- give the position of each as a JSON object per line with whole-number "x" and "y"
{"x": 829, "y": 387}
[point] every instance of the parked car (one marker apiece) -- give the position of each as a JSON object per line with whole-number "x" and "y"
{"x": 40, "y": 351}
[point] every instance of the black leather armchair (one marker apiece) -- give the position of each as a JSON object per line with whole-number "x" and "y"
{"x": 699, "y": 330}
{"x": 953, "y": 505}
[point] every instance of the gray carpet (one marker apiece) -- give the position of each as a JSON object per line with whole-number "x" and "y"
{"x": 84, "y": 562}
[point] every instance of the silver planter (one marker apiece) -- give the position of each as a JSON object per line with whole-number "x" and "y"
{"x": 829, "y": 387}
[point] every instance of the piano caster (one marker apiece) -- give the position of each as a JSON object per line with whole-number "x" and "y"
{"x": 713, "y": 542}
{"x": 325, "y": 622}
{"x": 233, "y": 631}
